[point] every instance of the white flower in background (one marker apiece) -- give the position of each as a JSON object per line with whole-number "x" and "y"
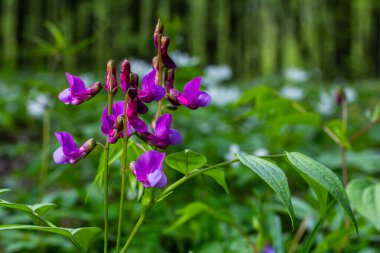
{"x": 217, "y": 74}
{"x": 351, "y": 94}
{"x": 232, "y": 151}
{"x": 223, "y": 95}
{"x": 326, "y": 105}
{"x": 296, "y": 75}
{"x": 261, "y": 152}
{"x": 183, "y": 59}
{"x": 36, "y": 106}
{"x": 140, "y": 67}
{"x": 293, "y": 93}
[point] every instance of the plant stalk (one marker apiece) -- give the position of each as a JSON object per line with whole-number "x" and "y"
{"x": 123, "y": 172}
{"x": 105, "y": 177}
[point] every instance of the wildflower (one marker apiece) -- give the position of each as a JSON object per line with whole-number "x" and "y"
{"x": 135, "y": 107}
{"x": 163, "y": 135}
{"x": 112, "y": 125}
{"x": 78, "y": 93}
{"x": 340, "y": 96}
{"x": 192, "y": 97}
{"x": 69, "y": 151}
{"x": 166, "y": 60}
{"x": 148, "y": 169}
{"x": 150, "y": 89}
{"x": 267, "y": 249}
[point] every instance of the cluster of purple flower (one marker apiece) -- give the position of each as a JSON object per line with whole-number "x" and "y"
{"x": 148, "y": 167}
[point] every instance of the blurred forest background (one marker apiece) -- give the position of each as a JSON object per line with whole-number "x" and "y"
{"x": 337, "y": 38}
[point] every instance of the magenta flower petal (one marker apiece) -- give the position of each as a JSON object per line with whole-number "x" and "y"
{"x": 148, "y": 169}
{"x": 150, "y": 91}
{"x": 163, "y": 125}
{"x": 203, "y": 99}
{"x": 175, "y": 137}
{"x": 110, "y": 125}
{"x": 69, "y": 152}
{"x": 141, "y": 108}
{"x": 78, "y": 93}
{"x": 163, "y": 135}
{"x": 59, "y": 157}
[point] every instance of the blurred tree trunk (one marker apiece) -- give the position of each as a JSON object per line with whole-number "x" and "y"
{"x": 223, "y": 31}
{"x": 197, "y": 28}
{"x": 375, "y": 39}
{"x": 146, "y": 28}
{"x": 9, "y": 33}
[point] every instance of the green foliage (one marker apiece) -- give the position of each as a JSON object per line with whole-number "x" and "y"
{"x": 320, "y": 175}
{"x": 365, "y": 197}
{"x": 186, "y": 161}
{"x": 273, "y": 176}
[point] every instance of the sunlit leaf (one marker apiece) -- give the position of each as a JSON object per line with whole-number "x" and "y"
{"x": 273, "y": 176}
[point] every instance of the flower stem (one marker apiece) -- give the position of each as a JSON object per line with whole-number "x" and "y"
{"x": 123, "y": 173}
{"x": 342, "y": 147}
{"x": 137, "y": 226}
{"x": 105, "y": 177}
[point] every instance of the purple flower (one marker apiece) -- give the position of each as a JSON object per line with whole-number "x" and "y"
{"x": 163, "y": 135}
{"x": 148, "y": 169}
{"x": 267, "y": 249}
{"x": 69, "y": 151}
{"x": 78, "y": 93}
{"x": 150, "y": 90}
{"x": 134, "y": 107}
{"x": 112, "y": 125}
{"x": 192, "y": 97}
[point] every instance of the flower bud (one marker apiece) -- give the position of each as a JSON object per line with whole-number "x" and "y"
{"x": 94, "y": 88}
{"x": 340, "y": 96}
{"x": 155, "y": 63}
{"x": 87, "y": 147}
{"x": 158, "y": 32}
{"x": 134, "y": 80}
{"x": 165, "y": 41}
{"x": 169, "y": 79}
{"x": 125, "y": 74}
{"x": 111, "y": 81}
{"x": 119, "y": 123}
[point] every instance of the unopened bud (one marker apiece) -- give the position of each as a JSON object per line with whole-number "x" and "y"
{"x": 88, "y": 146}
{"x": 158, "y": 32}
{"x": 134, "y": 81}
{"x": 155, "y": 63}
{"x": 169, "y": 79}
{"x": 165, "y": 41}
{"x": 340, "y": 96}
{"x": 119, "y": 123}
{"x": 111, "y": 81}
{"x": 125, "y": 72}
{"x": 94, "y": 88}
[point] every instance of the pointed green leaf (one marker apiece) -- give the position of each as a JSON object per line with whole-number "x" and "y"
{"x": 365, "y": 197}
{"x": 4, "y": 190}
{"x": 186, "y": 161}
{"x": 218, "y": 176}
{"x": 84, "y": 236}
{"x": 324, "y": 177}
{"x": 273, "y": 176}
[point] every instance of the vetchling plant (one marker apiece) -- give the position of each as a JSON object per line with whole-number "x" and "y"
{"x": 121, "y": 121}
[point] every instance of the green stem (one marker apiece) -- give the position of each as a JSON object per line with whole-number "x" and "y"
{"x": 192, "y": 174}
{"x": 137, "y": 227}
{"x": 105, "y": 176}
{"x": 318, "y": 226}
{"x": 45, "y": 151}
{"x": 123, "y": 173}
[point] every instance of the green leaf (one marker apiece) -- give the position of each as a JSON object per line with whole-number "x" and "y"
{"x": 299, "y": 119}
{"x": 218, "y": 176}
{"x": 365, "y": 197}
{"x": 80, "y": 237}
{"x": 186, "y": 161}
{"x": 84, "y": 236}
{"x": 4, "y": 190}
{"x": 57, "y": 35}
{"x": 324, "y": 177}
{"x": 336, "y": 126}
{"x": 197, "y": 208}
{"x": 273, "y": 176}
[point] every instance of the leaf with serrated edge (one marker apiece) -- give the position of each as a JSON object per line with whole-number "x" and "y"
{"x": 324, "y": 177}
{"x": 273, "y": 176}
